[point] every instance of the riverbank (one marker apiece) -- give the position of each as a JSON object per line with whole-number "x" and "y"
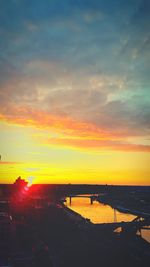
{"x": 68, "y": 238}
{"x": 124, "y": 207}
{"x": 74, "y": 246}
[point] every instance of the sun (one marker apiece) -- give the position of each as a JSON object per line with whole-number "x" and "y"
{"x": 30, "y": 180}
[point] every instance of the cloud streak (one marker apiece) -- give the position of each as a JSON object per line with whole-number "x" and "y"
{"x": 8, "y": 163}
{"x": 71, "y": 133}
{"x": 106, "y": 102}
{"x": 29, "y": 117}
{"x": 97, "y": 145}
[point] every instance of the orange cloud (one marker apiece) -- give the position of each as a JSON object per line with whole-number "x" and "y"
{"x": 8, "y": 162}
{"x": 97, "y": 144}
{"x": 72, "y": 133}
{"x": 61, "y": 124}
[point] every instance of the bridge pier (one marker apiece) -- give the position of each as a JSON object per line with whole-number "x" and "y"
{"x": 70, "y": 200}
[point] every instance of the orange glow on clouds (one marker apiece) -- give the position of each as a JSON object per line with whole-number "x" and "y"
{"x": 73, "y": 113}
{"x": 64, "y": 124}
{"x": 72, "y": 133}
{"x": 47, "y": 148}
{"x": 97, "y": 145}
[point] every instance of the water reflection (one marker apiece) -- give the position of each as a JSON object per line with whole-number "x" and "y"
{"x": 97, "y": 212}
{"x": 145, "y": 233}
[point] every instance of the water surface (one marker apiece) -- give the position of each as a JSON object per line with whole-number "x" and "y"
{"x": 145, "y": 233}
{"x": 97, "y": 212}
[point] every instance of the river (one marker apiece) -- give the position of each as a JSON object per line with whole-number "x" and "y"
{"x": 101, "y": 213}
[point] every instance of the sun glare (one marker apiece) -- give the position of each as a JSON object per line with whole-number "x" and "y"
{"x": 30, "y": 180}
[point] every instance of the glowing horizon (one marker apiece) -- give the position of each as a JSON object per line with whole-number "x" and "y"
{"x": 74, "y": 92}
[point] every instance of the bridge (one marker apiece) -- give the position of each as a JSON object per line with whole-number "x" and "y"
{"x": 92, "y": 197}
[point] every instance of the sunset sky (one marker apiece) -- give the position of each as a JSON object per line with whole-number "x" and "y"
{"x": 75, "y": 91}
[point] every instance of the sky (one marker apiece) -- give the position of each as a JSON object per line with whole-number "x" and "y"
{"x": 75, "y": 91}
